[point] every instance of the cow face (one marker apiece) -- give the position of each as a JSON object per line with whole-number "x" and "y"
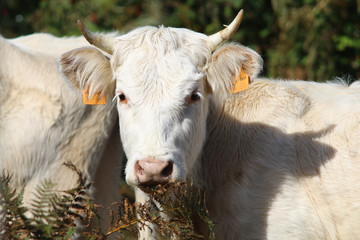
{"x": 161, "y": 79}
{"x": 161, "y": 100}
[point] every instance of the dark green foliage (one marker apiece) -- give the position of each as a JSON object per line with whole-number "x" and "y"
{"x": 12, "y": 213}
{"x": 55, "y": 214}
{"x": 317, "y": 39}
{"x": 15, "y": 16}
{"x": 305, "y": 39}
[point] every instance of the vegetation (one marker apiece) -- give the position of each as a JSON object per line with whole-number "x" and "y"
{"x": 56, "y": 214}
{"x": 305, "y": 39}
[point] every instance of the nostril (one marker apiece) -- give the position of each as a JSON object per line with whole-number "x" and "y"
{"x": 167, "y": 171}
{"x": 138, "y": 168}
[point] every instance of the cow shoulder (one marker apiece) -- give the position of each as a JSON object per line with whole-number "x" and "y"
{"x": 273, "y": 102}
{"x": 34, "y": 85}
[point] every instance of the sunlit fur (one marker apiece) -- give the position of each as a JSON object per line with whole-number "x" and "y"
{"x": 281, "y": 161}
{"x": 44, "y": 123}
{"x": 277, "y": 161}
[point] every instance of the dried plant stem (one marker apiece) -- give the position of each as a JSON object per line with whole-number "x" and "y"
{"x": 135, "y": 221}
{"x": 124, "y": 226}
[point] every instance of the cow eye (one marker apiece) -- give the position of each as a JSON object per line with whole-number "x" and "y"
{"x": 122, "y": 98}
{"x": 194, "y": 97}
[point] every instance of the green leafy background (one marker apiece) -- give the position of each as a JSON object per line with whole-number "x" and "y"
{"x": 305, "y": 39}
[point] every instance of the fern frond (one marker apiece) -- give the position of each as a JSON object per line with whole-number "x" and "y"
{"x": 172, "y": 208}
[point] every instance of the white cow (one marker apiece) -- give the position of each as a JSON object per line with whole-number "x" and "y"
{"x": 44, "y": 123}
{"x": 278, "y": 161}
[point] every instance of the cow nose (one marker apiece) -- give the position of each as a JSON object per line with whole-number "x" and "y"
{"x": 151, "y": 171}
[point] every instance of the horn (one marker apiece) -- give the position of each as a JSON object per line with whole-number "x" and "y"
{"x": 104, "y": 43}
{"x": 222, "y": 36}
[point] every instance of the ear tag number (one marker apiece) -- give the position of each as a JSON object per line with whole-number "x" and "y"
{"x": 96, "y": 100}
{"x": 240, "y": 83}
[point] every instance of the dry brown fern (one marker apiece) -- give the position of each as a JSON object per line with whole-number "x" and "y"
{"x": 172, "y": 208}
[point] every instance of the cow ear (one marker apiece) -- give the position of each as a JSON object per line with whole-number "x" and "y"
{"x": 88, "y": 68}
{"x": 226, "y": 65}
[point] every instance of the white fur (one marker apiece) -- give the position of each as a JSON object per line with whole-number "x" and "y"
{"x": 289, "y": 162}
{"x": 278, "y": 161}
{"x": 43, "y": 123}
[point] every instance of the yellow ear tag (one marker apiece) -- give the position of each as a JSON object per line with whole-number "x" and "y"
{"x": 240, "y": 83}
{"x": 96, "y": 100}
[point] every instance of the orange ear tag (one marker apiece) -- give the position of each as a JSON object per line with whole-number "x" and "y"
{"x": 240, "y": 83}
{"x": 96, "y": 100}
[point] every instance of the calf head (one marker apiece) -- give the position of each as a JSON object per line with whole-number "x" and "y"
{"x": 161, "y": 79}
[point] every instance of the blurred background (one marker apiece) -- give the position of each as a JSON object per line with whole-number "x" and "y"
{"x": 304, "y": 39}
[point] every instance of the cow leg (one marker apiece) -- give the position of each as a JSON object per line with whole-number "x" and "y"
{"x": 147, "y": 233}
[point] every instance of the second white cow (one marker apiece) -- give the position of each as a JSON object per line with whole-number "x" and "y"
{"x": 44, "y": 124}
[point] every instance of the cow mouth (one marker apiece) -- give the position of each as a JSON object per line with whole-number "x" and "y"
{"x": 151, "y": 187}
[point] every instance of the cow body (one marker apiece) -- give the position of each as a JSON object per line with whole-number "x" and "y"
{"x": 44, "y": 123}
{"x": 281, "y": 161}
{"x": 278, "y": 161}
